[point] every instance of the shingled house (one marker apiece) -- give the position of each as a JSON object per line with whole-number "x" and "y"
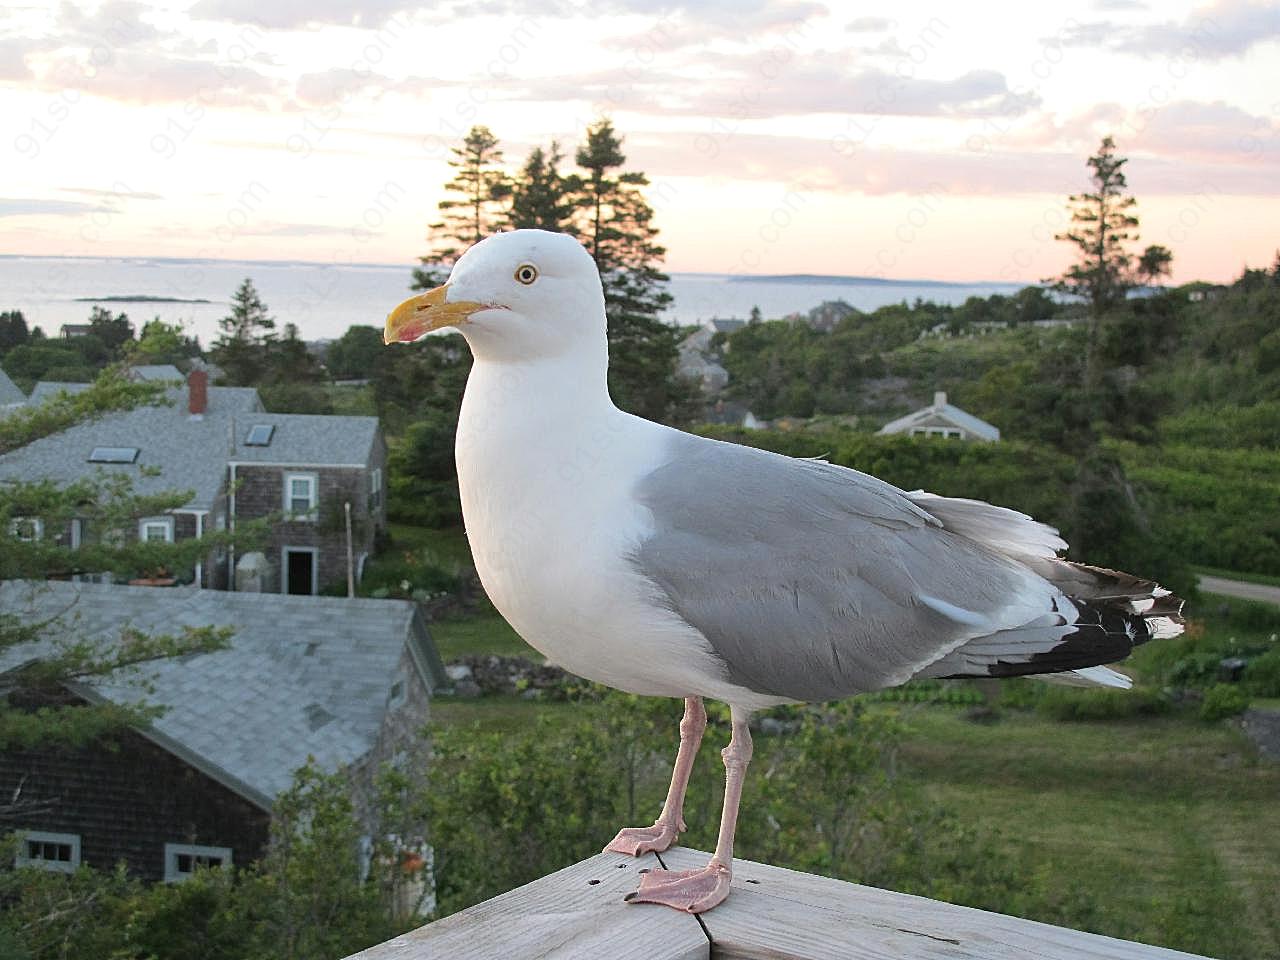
{"x": 346, "y": 682}
{"x": 240, "y": 463}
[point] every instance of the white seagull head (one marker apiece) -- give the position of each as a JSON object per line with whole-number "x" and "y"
{"x": 515, "y": 296}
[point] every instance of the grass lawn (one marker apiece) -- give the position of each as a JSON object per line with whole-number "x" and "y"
{"x": 1173, "y": 826}
{"x": 488, "y": 633}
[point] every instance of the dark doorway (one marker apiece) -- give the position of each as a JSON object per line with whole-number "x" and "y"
{"x": 300, "y": 568}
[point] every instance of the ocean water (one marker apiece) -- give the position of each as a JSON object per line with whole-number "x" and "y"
{"x": 324, "y": 299}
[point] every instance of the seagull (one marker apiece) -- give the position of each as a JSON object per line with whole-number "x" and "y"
{"x": 667, "y": 564}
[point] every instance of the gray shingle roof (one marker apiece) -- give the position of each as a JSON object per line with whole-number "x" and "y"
{"x": 303, "y": 676}
{"x": 9, "y": 392}
{"x": 948, "y": 412}
{"x": 192, "y": 454}
{"x": 307, "y": 439}
{"x": 156, "y": 371}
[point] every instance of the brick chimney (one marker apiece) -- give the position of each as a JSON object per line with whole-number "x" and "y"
{"x": 197, "y": 393}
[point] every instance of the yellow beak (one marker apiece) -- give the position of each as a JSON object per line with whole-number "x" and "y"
{"x": 428, "y": 311}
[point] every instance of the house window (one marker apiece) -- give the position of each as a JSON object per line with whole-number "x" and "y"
{"x": 300, "y": 495}
{"x": 26, "y": 529}
{"x": 375, "y": 488}
{"x": 113, "y": 455}
{"x": 156, "y": 528}
{"x": 50, "y": 851}
{"x": 181, "y": 860}
{"x": 260, "y": 435}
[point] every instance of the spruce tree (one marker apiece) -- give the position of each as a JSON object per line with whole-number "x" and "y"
{"x": 541, "y": 197}
{"x": 615, "y": 224}
{"x": 248, "y": 334}
{"x": 476, "y": 213}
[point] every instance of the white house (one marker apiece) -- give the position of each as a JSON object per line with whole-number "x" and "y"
{"x": 942, "y": 419}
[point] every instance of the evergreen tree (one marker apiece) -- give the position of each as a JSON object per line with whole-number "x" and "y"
{"x": 1156, "y": 262}
{"x": 114, "y": 332}
{"x": 541, "y": 197}
{"x": 248, "y": 333}
{"x": 483, "y": 187}
{"x": 13, "y": 330}
{"x": 615, "y": 224}
{"x": 1103, "y": 223}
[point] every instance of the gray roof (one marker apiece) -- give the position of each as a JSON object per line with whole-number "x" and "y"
{"x": 192, "y": 454}
{"x": 303, "y": 676}
{"x": 47, "y": 389}
{"x": 156, "y": 371}
{"x": 9, "y": 392}
{"x": 307, "y": 439}
{"x": 189, "y": 454}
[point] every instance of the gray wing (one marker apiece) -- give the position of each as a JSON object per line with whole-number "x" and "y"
{"x": 813, "y": 581}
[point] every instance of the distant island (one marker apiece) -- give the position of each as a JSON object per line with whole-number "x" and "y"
{"x": 810, "y": 278}
{"x": 139, "y": 298}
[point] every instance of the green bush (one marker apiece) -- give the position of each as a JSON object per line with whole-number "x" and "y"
{"x": 1071, "y": 705}
{"x": 1223, "y": 700}
{"x": 1262, "y": 675}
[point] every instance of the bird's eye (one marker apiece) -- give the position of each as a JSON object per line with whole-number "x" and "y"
{"x": 526, "y": 273}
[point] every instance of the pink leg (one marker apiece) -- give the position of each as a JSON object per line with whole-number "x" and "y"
{"x": 695, "y": 891}
{"x": 637, "y": 840}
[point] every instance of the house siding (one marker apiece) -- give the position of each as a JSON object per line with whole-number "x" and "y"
{"x": 126, "y": 798}
{"x": 260, "y": 493}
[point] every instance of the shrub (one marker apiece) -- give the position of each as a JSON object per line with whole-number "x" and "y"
{"x": 1262, "y": 675}
{"x": 1070, "y": 705}
{"x": 1223, "y": 700}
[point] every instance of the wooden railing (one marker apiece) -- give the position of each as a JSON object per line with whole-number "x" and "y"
{"x": 772, "y": 914}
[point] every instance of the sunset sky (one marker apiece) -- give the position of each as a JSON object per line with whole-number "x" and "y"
{"x": 781, "y": 136}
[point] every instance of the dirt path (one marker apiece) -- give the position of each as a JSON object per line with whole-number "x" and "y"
{"x": 1240, "y": 589}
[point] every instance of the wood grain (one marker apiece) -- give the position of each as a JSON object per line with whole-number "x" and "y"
{"x": 777, "y": 914}
{"x": 577, "y": 912}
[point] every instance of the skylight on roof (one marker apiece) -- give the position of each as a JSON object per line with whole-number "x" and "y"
{"x": 260, "y": 435}
{"x": 113, "y": 455}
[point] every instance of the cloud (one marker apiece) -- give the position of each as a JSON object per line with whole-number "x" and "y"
{"x": 870, "y": 25}
{"x": 122, "y": 192}
{"x": 292, "y": 14}
{"x": 810, "y": 164}
{"x": 112, "y": 25}
{"x": 756, "y": 86}
{"x": 136, "y": 76}
{"x": 13, "y": 59}
{"x": 1227, "y": 28}
{"x": 29, "y": 207}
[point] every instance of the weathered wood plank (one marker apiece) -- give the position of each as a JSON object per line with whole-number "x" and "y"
{"x": 774, "y": 913}
{"x": 575, "y": 913}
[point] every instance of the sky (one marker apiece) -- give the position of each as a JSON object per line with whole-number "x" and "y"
{"x": 902, "y": 140}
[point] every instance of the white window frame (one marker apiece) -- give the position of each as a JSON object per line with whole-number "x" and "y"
{"x": 37, "y": 529}
{"x": 165, "y": 522}
{"x": 375, "y": 488}
{"x": 174, "y": 850}
{"x": 44, "y": 836}
{"x": 313, "y": 512}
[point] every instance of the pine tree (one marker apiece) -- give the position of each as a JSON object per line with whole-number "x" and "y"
{"x": 483, "y": 187}
{"x": 1103, "y": 224}
{"x": 541, "y": 197}
{"x": 615, "y": 224}
{"x": 248, "y": 334}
